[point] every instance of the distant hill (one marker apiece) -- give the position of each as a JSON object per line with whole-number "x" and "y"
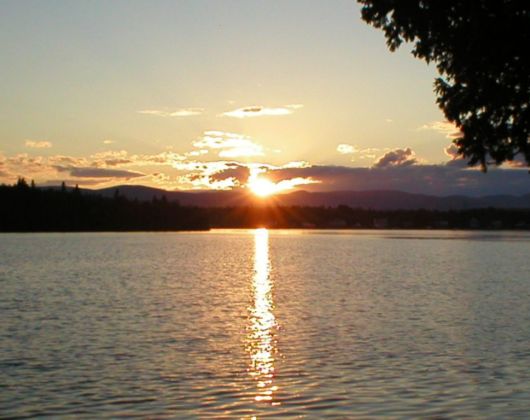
{"x": 376, "y": 200}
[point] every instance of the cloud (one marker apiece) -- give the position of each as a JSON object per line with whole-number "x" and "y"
{"x": 396, "y": 157}
{"x": 231, "y": 174}
{"x": 183, "y": 112}
{"x": 69, "y": 182}
{"x": 372, "y": 152}
{"x": 346, "y": 149}
{"x": 366, "y": 153}
{"x": 451, "y": 151}
{"x": 89, "y": 172}
{"x": 3, "y": 169}
{"x": 421, "y": 179}
{"x": 111, "y": 158}
{"x": 442, "y": 127}
{"x": 107, "y": 141}
{"x": 103, "y": 167}
{"x": 397, "y": 169}
{"x": 261, "y": 111}
{"x": 32, "y": 144}
{"x": 229, "y": 145}
{"x": 288, "y": 184}
{"x": 238, "y": 173}
{"x": 518, "y": 161}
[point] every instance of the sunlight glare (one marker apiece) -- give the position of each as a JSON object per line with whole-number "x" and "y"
{"x": 263, "y": 187}
{"x": 261, "y": 343}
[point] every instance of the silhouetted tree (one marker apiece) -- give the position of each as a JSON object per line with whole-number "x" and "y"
{"x": 480, "y": 48}
{"x": 34, "y": 209}
{"x": 21, "y": 183}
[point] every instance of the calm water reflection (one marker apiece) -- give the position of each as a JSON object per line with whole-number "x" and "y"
{"x": 261, "y": 342}
{"x": 252, "y": 324}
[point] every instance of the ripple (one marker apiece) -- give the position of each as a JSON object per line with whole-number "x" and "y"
{"x": 264, "y": 324}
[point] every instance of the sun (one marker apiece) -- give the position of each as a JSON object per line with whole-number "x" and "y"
{"x": 263, "y": 187}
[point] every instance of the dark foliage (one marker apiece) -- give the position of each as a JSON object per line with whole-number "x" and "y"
{"x": 27, "y": 208}
{"x": 480, "y": 48}
{"x": 344, "y": 217}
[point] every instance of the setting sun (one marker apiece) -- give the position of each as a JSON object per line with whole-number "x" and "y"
{"x": 263, "y": 187}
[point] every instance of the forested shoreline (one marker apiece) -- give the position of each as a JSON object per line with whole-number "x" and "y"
{"x": 26, "y": 208}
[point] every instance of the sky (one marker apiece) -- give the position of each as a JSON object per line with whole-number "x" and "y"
{"x": 196, "y": 94}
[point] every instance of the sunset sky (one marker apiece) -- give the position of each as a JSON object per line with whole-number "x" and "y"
{"x": 217, "y": 94}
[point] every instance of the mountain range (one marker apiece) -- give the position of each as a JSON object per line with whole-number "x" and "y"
{"x": 376, "y": 200}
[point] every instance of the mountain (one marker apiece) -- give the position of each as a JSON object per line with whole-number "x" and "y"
{"x": 377, "y": 200}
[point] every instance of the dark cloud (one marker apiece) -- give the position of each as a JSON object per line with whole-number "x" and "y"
{"x": 90, "y": 172}
{"x": 238, "y": 172}
{"x": 116, "y": 162}
{"x": 421, "y": 179}
{"x": 396, "y": 157}
{"x": 253, "y": 109}
{"x": 70, "y": 182}
{"x": 458, "y": 161}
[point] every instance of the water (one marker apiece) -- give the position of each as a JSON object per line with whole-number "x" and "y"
{"x": 242, "y": 324}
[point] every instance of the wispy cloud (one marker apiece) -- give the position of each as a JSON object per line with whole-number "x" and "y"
{"x": 442, "y": 127}
{"x": 182, "y": 112}
{"x": 107, "y": 141}
{"x": 38, "y": 144}
{"x": 229, "y": 145}
{"x": 369, "y": 153}
{"x": 346, "y": 149}
{"x": 262, "y": 111}
{"x": 99, "y": 173}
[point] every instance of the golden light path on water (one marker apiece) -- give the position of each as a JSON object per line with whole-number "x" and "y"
{"x": 261, "y": 343}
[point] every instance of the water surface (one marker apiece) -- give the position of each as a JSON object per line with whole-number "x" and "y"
{"x": 243, "y": 324}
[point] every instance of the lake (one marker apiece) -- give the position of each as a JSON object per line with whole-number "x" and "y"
{"x": 244, "y": 324}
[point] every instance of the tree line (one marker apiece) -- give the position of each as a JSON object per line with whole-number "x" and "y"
{"x": 26, "y": 208}
{"x": 344, "y": 217}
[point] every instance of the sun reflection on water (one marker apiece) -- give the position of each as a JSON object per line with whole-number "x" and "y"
{"x": 261, "y": 343}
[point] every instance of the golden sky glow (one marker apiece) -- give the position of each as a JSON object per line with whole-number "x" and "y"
{"x": 208, "y": 106}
